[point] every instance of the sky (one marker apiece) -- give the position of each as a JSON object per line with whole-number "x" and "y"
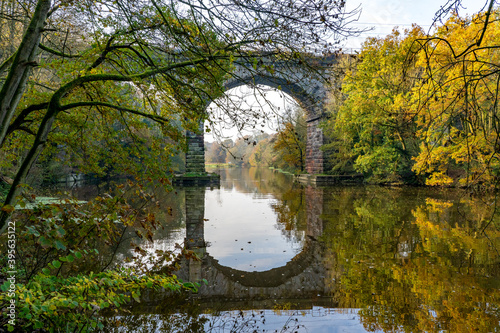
{"x": 384, "y": 15}
{"x": 380, "y": 16}
{"x": 256, "y": 102}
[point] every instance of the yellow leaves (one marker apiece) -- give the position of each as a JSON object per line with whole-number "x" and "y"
{"x": 439, "y": 179}
{"x": 397, "y": 273}
{"x": 456, "y": 104}
{"x": 438, "y": 205}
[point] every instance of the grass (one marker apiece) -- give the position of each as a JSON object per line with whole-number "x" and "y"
{"x": 194, "y": 174}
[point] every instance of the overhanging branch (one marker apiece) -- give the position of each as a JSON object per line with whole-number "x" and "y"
{"x": 153, "y": 117}
{"x": 58, "y": 53}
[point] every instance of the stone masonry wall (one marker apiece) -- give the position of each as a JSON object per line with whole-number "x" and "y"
{"x": 314, "y": 211}
{"x": 314, "y": 154}
{"x": 195, "y": 156}
{"x": 195, "y": 210}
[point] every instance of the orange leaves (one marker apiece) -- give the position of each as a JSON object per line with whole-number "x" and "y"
{"x": 8, "y": 208}
{"x": 456, "y": 104}
{"x": 428, "y": 104}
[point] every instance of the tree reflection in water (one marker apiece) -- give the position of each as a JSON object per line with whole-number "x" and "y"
{"x": 235, "y": 321}
{"x": 416, "y": 260}
{"x": 396, "y": 259}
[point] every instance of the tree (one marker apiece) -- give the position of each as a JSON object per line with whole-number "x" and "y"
{"x": 263, "y": 154}
{"x": 215, "y": 153}
{"x": 82, "y": 65}
{"x": 425, "y": 104}
{"x": 290, "y": 143}
{"x": 458, "y": 100}
{"x": 371, "y": 124}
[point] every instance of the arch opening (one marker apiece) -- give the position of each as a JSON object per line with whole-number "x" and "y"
{"x": 291, "y": 94}
{"x": 246, "y": 110}
{"x": 256, "y": 126}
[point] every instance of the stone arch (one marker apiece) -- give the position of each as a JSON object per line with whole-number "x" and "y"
{"x": 291, "y": 78}
{"x": 303, "y": 274}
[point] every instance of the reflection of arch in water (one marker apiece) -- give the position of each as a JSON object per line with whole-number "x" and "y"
{"x": 273, "y": 277}
{"x": 195, "y": 212}
{"x": 303, "y": 274}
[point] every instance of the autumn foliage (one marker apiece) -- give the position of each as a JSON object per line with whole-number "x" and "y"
{"x": 422, "y": 108}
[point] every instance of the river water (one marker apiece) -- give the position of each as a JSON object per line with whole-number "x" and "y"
{"x": 278, "y": 256}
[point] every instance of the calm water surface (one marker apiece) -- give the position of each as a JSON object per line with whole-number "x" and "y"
{"x": 283, "y": 257}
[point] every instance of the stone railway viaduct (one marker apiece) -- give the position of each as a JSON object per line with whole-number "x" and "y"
{"x": 306, "y": 82}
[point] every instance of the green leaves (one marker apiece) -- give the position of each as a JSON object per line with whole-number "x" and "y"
{"x": 371, "y": 126}
{"x": 56, "y": 263}
{"x": 72, "y": 302}
{"x": 59, "y": 245}
{"x": 77, "y": 254}
{"x": 62, "y": 239}
{"x": 68, "y": 258}
{"x": 44, "y": 242}
{"x": 32, "y": 231}
{"x": 5, "y": 286}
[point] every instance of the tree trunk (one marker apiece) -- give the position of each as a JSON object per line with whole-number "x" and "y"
{"x": 13, "y": 87}
{"x": 31, "y": 157}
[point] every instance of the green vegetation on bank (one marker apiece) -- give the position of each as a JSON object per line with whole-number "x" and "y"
{"x": 421, "y": 109}
{"x": 64, "y": 264}
{"x": 107, "y": 88}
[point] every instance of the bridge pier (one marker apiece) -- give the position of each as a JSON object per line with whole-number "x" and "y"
{"x": 195, "y": 173}
{"x": 314, "y": 154}
{"x": 195, "y": 155}
{"x": 195, "y": 230}
{"x": 314, "y": 210}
